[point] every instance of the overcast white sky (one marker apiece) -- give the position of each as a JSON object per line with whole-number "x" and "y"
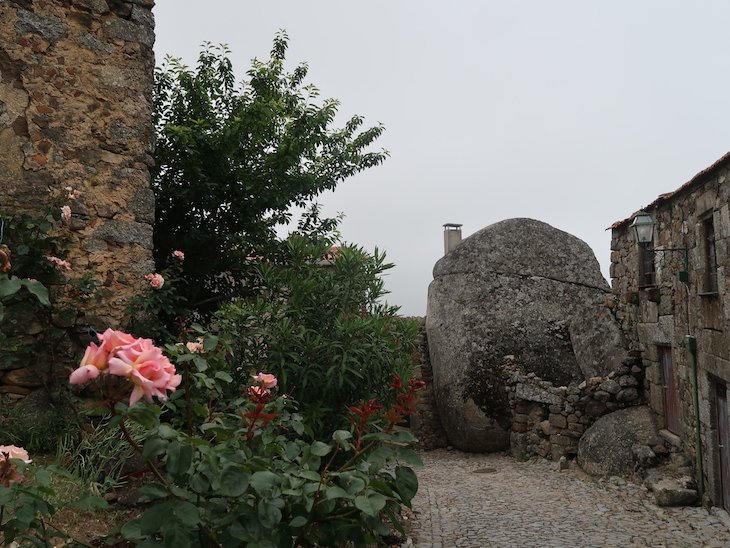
{"x": 576, "y": 113}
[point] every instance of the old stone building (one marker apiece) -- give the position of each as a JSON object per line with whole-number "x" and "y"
{"x": 674, "y": 307}
{"x": 76, "y": 80}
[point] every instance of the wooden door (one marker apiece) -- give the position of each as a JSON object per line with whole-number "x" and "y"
{"x": 671, "y": 401}
{"x": 723, "y": 441}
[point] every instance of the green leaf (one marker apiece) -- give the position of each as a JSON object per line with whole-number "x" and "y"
{"x": 143, "y": 415}
{"x": 9, "y": 286}
{"x": 269, "y": 515}
{"x": 179, "y": 458}
{"x": 309, "y": 474}
{"x": 210, "y": 342}
{"x": 153, "y": 447}
{"x": 132, "y": 530}
{"x": 201, "y": 364}
{"x": 406, "y": 483}
{"x": 370, "y": 504}
{"x": 336, "y": 492}
{"x": 38, "y": 289}
{"x": 298, "y": 521}
{"x": 233, "y": 482}
{"x": 167, "y": 432}
{"x": 320, "y": 449}
{"x": 187, "y": 513}
{"x": 263, "y": 481}
{"x": 154, "y": 518}
{"x": 409, "y": 456}
{"x": 352, "y": 483}
{"x": 153, "y": 491}
{"x": 223, "y": 376}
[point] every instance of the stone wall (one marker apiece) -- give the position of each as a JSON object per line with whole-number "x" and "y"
{"x": 549, "y": 420}
{"x": 426, "y": 423}
{"x": 661, "y": 315}
{"x": 76, "y": 80}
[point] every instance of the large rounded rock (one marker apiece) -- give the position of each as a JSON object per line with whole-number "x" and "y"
{"x": 606, "y": 448}
{"x": 518, "y": 287}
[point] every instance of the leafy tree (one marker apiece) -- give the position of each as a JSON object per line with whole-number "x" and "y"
{"x": 231, "y": 160}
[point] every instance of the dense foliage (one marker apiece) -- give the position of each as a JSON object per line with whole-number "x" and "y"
{"x": 319, "y": 325}
{"x": 232, "y": 159}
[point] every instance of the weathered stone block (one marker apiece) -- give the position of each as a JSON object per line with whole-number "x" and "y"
{"x": 558, "y": 421}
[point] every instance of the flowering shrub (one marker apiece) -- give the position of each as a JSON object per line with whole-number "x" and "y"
{"x": 253, "y": 478}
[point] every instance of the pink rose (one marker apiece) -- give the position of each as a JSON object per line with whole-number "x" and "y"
{"x": 258, "y": 392}
{"x": 92, "y": 364}
{"x": 111, "y": 339}
{"x": 66, "y": 213}
{"x": 72, "y": 194}
{"x": 60, "y": 264}
{"x": 267, "y": 380}
{"x": 138, "y": 360}
{"x": 179, "y": 255}
{"x": 156, "y": 281}
{"x": 8, "y": 470}
{"x": 194, "y": 347}
{"x": 147, "y": 367}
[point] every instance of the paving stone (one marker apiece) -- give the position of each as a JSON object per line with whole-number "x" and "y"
{"x": 531, "y": 504}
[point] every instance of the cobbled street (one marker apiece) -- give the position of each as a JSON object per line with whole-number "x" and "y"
{"x": 495, "y": 500}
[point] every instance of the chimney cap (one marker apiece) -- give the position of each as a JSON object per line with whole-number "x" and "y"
{"x": 452, "y": 225}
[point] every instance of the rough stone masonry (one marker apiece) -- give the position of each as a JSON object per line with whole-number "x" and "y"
{"x": 76, "y": 80}
{"x": 75, "y": 110}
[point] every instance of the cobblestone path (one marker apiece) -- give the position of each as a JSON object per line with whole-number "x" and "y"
{"x": 495, "y": 500}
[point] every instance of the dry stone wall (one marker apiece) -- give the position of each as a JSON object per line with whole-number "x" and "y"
{"x": 549, "y": 420}
{"x": 76, "y": 80}
{"x": 426, "y": 423}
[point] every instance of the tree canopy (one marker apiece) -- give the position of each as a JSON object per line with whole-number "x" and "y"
{"x": 233, "y": 158}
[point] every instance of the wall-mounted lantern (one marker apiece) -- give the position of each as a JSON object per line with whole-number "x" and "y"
{"x": 643, "y": 224}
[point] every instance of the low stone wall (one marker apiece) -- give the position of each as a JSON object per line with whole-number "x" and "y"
{"x": 426, "y": 424}
{"x": 548, "y": 421}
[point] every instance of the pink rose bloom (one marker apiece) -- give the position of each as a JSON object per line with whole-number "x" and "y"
{"x": 194, "y": 347}
{"x": 111, "y": 339}
{"x": 179, "y": 255}
{"x": 258, "y": 392}
{"x": 156, "y": 281}
{"x": 267, "y": 380}
{"x": 92, "y": 364}
{"x": 8, "y": 471}
{"x": 72, "y": 193}
{"x": 60, "y": 264}
{"x": 66, "y": 213}
{"x": 147, "y": 367}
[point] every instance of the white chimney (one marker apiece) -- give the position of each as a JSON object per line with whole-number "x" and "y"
{"x": 452, "y": 236}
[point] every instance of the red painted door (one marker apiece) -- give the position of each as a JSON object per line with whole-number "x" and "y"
{"x": 723, "y": 439}
{"x": 671, "y": 401}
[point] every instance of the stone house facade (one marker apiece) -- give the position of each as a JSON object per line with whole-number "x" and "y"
{"x": 674, "y": 306}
